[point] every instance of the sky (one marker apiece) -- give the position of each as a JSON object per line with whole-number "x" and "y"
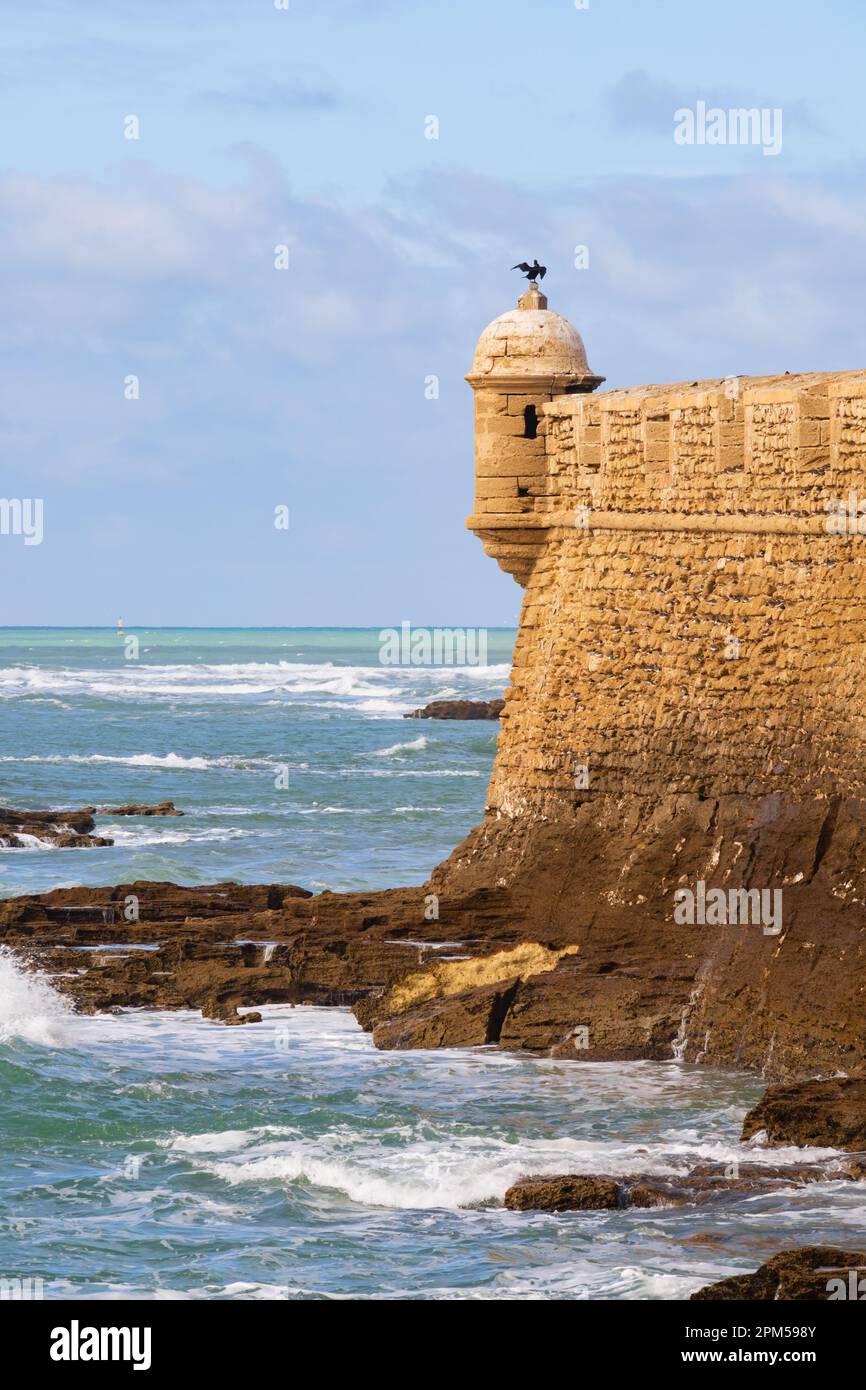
{"x": 308, "y": 127}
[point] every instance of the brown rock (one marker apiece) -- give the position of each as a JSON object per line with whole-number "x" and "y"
{"x": 703, "y": 1183}
{"x": 471, "y": 1019}
{"x": 565, "y": 1192}
{"x": 791, "y": 1275}
{"x": 459, "y": 709}
{"x": 656, "y": 1193}
{"x": 63, "y": 829}
{"x": 69, "y": 840}
{"x": 163, "y": 808}
{"x": 829, "y": 1114}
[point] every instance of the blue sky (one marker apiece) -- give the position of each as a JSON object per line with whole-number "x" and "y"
{"x": 305, "y": 387}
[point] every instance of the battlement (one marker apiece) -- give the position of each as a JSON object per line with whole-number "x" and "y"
{"x": 750, "y": 455}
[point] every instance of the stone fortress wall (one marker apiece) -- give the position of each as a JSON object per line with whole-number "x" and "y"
{"x": 686, "y": 701}
{"x": 690, "y": 623}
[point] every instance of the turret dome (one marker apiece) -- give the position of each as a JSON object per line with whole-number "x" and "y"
{"x": 532, "y": 343}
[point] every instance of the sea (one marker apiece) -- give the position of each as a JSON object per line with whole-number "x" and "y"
{"x": 159, "y": 1155}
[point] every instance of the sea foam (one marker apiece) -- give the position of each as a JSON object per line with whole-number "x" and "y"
{"x": 30, "y": 1009}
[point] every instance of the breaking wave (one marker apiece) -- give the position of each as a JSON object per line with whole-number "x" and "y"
{"x": 30, "y": 1009}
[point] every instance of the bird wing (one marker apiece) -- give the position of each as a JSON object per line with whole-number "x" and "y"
{"x": 524, "y": 265}
{"x": 542, "y": 272}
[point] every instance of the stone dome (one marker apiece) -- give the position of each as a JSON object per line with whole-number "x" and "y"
{"x": 533, "y": 341}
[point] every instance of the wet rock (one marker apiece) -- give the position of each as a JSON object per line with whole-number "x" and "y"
{"x": 814, "y": 1272}
{"x": 648, "y": 1192}
{"x": 69, "y": 840}
{"x": 702, "y": 1184}
{"x": 471, "y": 1019}
{"x": 602, "y": 870}
{"x": 829, "y": 1114}
{"x": 163, "y": 808}
{"x": 223, "y": 946}
{"x": 565, "y": 1192}
{"x": 459, "y": 709}
{"x": 63, "y": 829}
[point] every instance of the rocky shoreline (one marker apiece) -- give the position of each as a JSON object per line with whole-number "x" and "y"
{"x": 418, "y": 972}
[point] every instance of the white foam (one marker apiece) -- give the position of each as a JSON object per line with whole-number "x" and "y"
{"x": 452, "y": 1171}
{"x": 26, "y": 841}
{"x": 414, "y": 746}
{"x": 30, "y": 1009}
{"x": 295, "y": 679}
{"x": 168, "y": 760}
{"x": 139, "y": 838}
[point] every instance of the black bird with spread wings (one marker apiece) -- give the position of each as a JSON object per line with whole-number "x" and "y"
{"x": 533, "y": 272}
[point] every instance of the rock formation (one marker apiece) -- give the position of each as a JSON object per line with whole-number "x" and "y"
{"x": 813, "y": 1272}
{"x": 829, "y": 1114}
{"x": 68, "y": 829}
{"x": 63, "y": 829}
{"x": 458, "y": 709}
{"x": 706, "y": 1183}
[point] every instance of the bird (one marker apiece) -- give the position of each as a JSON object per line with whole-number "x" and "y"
{"x": 533, "y": 272}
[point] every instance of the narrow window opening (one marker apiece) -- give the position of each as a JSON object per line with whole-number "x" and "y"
{"x": 530, "y": 422}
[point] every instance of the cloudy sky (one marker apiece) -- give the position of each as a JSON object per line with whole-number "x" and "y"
{"x": 261, "y": 126}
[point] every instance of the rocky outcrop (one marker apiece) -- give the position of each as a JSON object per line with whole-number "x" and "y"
{"x": 470, "y": 1019}
{"x": 63, "y": 829}
{"x": 69, "y": 829}
{"x": 566, "y": 1192}
{"x": 813, "y": 1272}
{"x": 226, "y": 946}
{"x": 705, "y": 1183}
{"x": 604, "y": 875}
{"x": 458, "y": 709}
{"x": 831, "y": 1114}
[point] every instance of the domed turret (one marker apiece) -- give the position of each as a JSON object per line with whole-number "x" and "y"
{"x": 523, "y": 359}
{"x": 529, "y": 342}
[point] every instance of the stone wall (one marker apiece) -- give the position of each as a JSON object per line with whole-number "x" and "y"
{"x": 686, "y": 704}
{"x": 689, "y": 624}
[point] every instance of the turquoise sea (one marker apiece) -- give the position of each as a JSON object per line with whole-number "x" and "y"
{"x": 161, "y": 1155}
{"x": 219, "y": 722}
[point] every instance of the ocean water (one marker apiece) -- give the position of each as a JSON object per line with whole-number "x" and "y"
{"x": 160, "y": 1155}
{"x": 219, "y": 722}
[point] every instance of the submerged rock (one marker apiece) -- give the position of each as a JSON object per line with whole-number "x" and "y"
{"x": 162, "y": 808}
